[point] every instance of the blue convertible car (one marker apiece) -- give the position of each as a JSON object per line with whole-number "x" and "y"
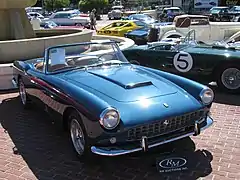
{"x": 108, "y": 105}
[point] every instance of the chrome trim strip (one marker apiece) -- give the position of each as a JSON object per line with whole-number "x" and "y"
{"x": 17, "y": 68}
{"x": 14, "y": 83}
{"x": 103, "y": 152}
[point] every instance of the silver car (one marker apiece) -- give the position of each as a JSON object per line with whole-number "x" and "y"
{"x": 69, "y": 18}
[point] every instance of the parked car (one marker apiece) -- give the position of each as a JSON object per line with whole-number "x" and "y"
{"x": 108, "y": 105}
{"x": 53, "y": 25}
{"x": 207, "y": 32}
{"x": 142, "y": 17}
{"x": 201, "y": 62}
{"x": 116, "y": 12}
{"x": 69, "y": 18}
{"x": 140, "y": 36}
{"x": 35, "y": 15}
{"x": 234, "y": 11}
{"x": 119, "y": 28}
{"x": 168, "y": 14}
{"x": 220, "y": 13}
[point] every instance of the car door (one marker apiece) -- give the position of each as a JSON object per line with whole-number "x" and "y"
{"x": 45, "y": 94}
{"x": 61, "y": 19}
{"x": 158, "y": 57}
{"x": 177, "y": 61}
{"x": 32, "y": 81}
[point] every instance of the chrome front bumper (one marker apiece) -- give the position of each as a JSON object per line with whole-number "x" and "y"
{"x": 104, "y": 152}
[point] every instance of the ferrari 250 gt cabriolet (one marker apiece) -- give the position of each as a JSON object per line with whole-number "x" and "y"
{"x": 108, "y": 105}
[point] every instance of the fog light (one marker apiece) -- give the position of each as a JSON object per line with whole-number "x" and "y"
{"x": 113, "y": 140}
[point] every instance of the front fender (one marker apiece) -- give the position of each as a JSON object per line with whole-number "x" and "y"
{"x": 86, "y": 102}
{"x": 172, "y": 33}
{"x": 192, "y": 87}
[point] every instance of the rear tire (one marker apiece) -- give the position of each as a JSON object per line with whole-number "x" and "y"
{"x": 228, "y": 78}
{"x": 23, "y": 94}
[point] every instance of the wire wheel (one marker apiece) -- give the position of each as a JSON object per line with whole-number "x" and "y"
{"x": 77, "y": 136}
{"x": 231, "y": 78}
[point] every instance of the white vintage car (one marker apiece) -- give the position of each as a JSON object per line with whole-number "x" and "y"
{"x": 206, "y": 32}
{"x": 116, "y": 12}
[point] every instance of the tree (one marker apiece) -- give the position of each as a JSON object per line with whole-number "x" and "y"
{"x": 51, "y": 5}
{"x": 88, "y": 5}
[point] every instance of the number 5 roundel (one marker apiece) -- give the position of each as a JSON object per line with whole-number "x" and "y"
{"x": 183, "y": 61}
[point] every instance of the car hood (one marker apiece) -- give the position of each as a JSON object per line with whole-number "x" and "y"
{"x": 123, "y": 84}
{"x": 139, "y": 32}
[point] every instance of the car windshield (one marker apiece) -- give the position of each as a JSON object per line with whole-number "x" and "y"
{"x": 235, "y": 8}
{"x": 215, "y": 10}
{"x": 141, "y": 17}
{"x": 141, "y": 24}
{"x": 84, "y": 55}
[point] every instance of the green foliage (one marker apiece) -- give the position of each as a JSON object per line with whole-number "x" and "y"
{"x": 51, "y": 5}
{"x": 88, "y": 5}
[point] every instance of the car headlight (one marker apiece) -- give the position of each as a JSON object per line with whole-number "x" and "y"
{"x": 109, "y": 118}
{"x": 206, "y": 96}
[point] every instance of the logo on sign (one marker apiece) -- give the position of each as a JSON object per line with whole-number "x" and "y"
{"x": 176, "y": 162}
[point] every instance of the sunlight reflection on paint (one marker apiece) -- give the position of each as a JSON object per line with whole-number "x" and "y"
{"x": 144, "y": 102}
{"x": 227, "y": 55}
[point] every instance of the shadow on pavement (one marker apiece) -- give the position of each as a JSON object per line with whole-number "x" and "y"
{"x": 224, "y": 98}
{"x": 49, "y": 155}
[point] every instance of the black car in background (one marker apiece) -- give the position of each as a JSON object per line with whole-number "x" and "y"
{"x": 220, "y": 13}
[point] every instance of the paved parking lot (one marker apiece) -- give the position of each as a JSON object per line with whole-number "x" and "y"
{"x": 32, "y": 148}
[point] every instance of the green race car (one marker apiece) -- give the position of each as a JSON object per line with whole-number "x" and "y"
{"x": 200, "y": 62}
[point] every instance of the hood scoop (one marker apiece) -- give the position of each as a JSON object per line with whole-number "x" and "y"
{"x": 125, "y": 85}
{"x": 140, "y": 84}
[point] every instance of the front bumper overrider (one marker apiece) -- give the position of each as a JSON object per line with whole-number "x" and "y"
{"x": 143, "y": 145}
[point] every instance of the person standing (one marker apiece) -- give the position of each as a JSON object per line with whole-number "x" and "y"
{"x": 93, "y": 20}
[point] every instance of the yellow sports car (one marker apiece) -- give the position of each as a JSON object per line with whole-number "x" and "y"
{"x": 119, "y": 28}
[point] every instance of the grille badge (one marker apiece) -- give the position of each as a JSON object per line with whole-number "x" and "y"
{"x": 165, "y": 105}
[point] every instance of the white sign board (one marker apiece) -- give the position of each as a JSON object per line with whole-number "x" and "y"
{"x": 205, "y": 3}
{"x": 57, "y": 56}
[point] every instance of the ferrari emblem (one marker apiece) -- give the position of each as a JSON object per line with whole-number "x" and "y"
{"x": 166, "y": 122}
{"x": 165, "y": 105}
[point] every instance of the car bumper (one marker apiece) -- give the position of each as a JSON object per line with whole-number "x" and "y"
{"x": 116, "y": 152}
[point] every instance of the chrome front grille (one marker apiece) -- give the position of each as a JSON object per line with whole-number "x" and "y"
{"x": 164, "y": 126}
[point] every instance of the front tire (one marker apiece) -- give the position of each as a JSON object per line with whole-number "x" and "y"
{"x": 23, "y": 94}
{"x": 78, "y": 135}
{"x": 228, "y": 79}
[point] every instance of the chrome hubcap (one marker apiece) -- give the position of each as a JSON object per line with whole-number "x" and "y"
{"x": 231, "y": 78}
{"x": 22, "y": 93}
{"x": 77, "y": 136}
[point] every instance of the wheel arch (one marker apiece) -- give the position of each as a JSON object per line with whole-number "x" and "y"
{"x": 222, "y": 65}
{"x": 171, "y": 33}
{"x": 66, "y": 113}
